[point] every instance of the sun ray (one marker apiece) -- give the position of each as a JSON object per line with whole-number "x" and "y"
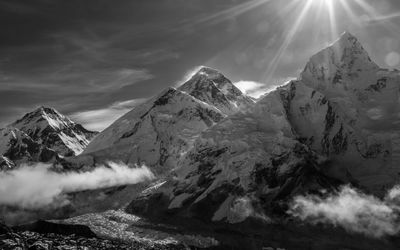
{"x": 288, "y": 9}
{"x": 288, "y": 39}
{"x": 318, "y": 29}
{"x": 231, "y": 12}
{"x": 332, "y": 19}
{"x": 386, "y": 17}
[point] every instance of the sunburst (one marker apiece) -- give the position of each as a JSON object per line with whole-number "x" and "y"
{"x": 324, "y": 13}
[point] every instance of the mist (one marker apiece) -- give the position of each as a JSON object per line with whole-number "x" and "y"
{"x": 352, "y": 210}
{"x": 36, "y": 186}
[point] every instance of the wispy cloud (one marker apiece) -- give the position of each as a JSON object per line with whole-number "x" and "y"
{"x": 255, "y": 89}
{"x": 25, "y": 187}
{"x": 380, "y": 18}
{"x": 352, "y": 210}
{"x": 69, "y": 80}
{"x": 100, "y": 119}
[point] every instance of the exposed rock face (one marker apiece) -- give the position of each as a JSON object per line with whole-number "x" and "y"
{"x": 160, "y": 131}
{"x": 55, "y": 131}
{"x": 17, "y": 147}
{"x": 6, "y": 164}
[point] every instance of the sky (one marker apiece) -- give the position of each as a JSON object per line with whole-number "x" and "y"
{"x": 96, "y": 60}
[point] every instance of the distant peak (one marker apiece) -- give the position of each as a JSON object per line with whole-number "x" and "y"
{"x": 40, "y": 112}
{"x": 204, "y": 70}
{"x": 347, "y": 35}
{"x": 347, "y": 40}
{"x": 47, "y": 110}
{"x": 204, "y": 76}
{"x": 345, "y": 56}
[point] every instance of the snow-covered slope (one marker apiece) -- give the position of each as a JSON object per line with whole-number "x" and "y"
{"x": 55, "y": 131}
{"x": 160, "y": 131}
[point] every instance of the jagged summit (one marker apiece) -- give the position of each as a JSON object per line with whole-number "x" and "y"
{"x": 212, "y": 87}
{"x": 40, "y": 112}
{"x": 345, "y": 57}
{"x": 209, "y": 72}
{"x": 205, "y": 78}
{"x": 346, "y": 35}
{"x": 54, "y": 130}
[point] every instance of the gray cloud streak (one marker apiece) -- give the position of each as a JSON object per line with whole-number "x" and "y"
{"x": 33, "y": 187}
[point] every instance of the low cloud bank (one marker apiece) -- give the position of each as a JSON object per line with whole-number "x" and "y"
{"x": 33, "y": 187}
{"x": 353, "y": 210}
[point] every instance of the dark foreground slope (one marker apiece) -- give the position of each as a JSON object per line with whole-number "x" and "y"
{"x": 47, "y": 235}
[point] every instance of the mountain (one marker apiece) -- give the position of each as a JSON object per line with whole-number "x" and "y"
{"x": 43, "y": 135}
{"x": 212, "y": 87}
{"x": 160, "y": 131}
{"x": 332, "y": 68}
{"x": 362, "y": 114}
{"x": 55, "y": 131}
{"x": 338, "y": 123}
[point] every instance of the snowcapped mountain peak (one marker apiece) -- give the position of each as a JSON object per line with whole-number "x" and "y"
{"x": 56, "y": 131}
{"x": 346, "y": 57}
{"x": 212, "y": 87}
{"x": 210, "y": 72}
{"x": 47, "y": 110}
{"x": 219, "y": 79}
{"x": 346, "y": 35}
{"x": 43, "y": 116}
{"x": 204, "y": 78}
